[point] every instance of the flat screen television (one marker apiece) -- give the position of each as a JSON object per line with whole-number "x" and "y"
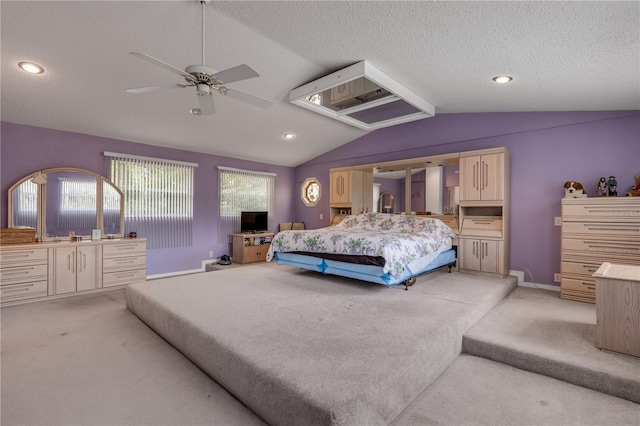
{"x": 254, "y": 221}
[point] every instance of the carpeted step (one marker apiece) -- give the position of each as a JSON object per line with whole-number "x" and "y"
{"x": 535, "y": 330}
{"x": 302, "y": 348}
{"x": 477, "y": 391}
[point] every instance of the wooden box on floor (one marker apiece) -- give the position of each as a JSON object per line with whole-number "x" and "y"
{"x": 618, "y": 308}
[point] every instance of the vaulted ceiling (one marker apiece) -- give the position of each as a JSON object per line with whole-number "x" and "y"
{"x": 563, "y": 56}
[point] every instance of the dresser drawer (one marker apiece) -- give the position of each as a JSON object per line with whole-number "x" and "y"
{"x": 629, "y": 250}
{"x": 608, "y": 230}
{"x": 481, "y": 226}
{"x": 583, "y": 285}
{"x": 23, "y": 291}
{"x": 596, "y": 209}
{"x": 124, "y": 263}
{"x": 580, "y": 296}
{"x": 16, "y": 257}
{"x": 118, "y": 250}
{"x": 124, "y": 277}
{"x": 22, "y": 274}
{"x": 581, "y": 269}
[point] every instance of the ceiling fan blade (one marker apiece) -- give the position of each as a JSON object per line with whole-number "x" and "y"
{"x": 206, "y": 104}
{"x": 253, "y": 100}
{"x": 240, "y": 72}
{"x": 154, "y": 88}
{"x": 162, "y": 64}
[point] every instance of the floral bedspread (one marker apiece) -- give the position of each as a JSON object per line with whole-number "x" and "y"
{"x": 402, "y": 240}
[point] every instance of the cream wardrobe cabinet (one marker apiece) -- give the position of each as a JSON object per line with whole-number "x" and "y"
{"x": 351, "y": 191}
{"x": 484, "y": 212}
{"x": 482, "y": 176}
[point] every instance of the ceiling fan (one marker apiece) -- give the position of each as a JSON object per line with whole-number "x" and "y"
{"x": 206, "y": 80}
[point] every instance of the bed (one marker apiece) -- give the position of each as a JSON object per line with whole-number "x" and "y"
{"x": 381, "y": 248}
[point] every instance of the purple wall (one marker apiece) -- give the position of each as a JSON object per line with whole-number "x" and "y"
{"x": 27, "y": 149}
{"x": 546, "y": 149}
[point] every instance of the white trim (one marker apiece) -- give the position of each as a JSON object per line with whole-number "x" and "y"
{"x": 540, "y": 286}
{"x": 245, "y": 171}
{"x": 141, "y": 157}
{"x": 173, "y": 274}
{"x": 517, "y": 274}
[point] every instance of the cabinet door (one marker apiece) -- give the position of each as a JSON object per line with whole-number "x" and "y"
{"x": 480, "y": 255}
{"x": 491, "y": 171}
{"x": 470, "y": 178}
{"x": 489, "y": 256}
{"x": 86, "y": 261}
{"x": 340, "y": 187}
{"x": 64, "y": 266}
{"x": 470, "y": 254}
{"x": 255, "y": 253}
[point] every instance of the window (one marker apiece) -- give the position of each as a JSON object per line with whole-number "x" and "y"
{"x": 158, "y": 198}
{"x": 310, "y": 192}
{"x": 243, "y": 190}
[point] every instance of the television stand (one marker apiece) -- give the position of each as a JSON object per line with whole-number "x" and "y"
{"x": 251, "y": 247}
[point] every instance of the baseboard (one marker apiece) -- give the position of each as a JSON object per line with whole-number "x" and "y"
{"x": 518, "y": 274}
{"x": 542, "y": 286}
{"x": 176, "y": 273}
{"x": 523, "y": 283}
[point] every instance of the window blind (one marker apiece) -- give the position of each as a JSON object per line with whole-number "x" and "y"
{"x": 158, "y": 198}
{"x": 243, "y": 190}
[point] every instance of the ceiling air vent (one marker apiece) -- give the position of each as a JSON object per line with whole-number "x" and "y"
{"x": 363, "y": 96}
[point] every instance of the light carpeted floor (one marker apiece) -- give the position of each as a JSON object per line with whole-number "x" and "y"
{"x": 87, "y": 360}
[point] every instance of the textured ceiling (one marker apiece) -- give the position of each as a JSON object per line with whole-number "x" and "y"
{"x": 562, "y": 55}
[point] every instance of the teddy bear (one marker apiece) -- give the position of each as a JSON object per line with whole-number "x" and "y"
{"x": 635, "y": 189}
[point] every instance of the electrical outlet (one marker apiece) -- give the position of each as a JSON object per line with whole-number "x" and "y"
{"x": 211, "y": 255}
{"x": 557, "y": 278}
{"x": 321, "y": 216}
{"x": 557, "y": 221}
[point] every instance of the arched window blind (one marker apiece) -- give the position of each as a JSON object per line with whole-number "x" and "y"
{"x": 158, "y": 198}
{"x": 243, "y": 190}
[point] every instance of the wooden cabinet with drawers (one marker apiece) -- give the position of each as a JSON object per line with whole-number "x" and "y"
{"x": 23, "y": 273}
{"x": 124, "y": 263}
{"x": 594, "y": 231}
{"x": 38, "y": 271}
{"x": 251, "y": 248}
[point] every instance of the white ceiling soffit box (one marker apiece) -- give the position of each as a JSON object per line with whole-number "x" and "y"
{"x": 363, "y": 96}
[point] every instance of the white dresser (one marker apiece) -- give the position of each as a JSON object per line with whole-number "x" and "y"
{"x": 38, "y": 271}
{"x": 594, "y": 231}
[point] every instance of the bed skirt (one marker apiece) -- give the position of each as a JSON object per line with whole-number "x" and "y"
{"x": 369, "y": 273}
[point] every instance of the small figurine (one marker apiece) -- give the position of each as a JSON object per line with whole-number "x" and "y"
{"x": 602, "y": 189}
{"x": 613, "y": 186}
{"x": 635, "y": 189}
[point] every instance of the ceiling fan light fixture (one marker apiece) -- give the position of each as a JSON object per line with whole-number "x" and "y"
{"x": 501, "y": 79}
{"x": 31, "y": 67}
{"x": 203, "y": 89}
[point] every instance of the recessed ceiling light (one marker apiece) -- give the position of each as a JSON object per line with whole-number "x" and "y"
{"x": 502, "y": 79}
{"x": 195, "y": 111}
{"x": 289, "y": 136}
{"x": 30, "y": 67}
